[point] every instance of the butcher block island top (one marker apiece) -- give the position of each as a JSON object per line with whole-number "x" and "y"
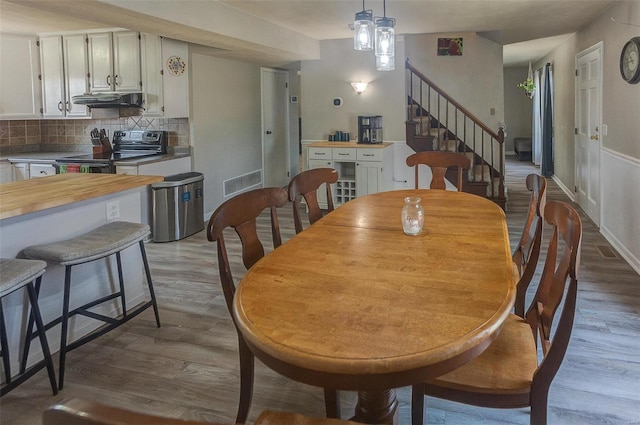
{"x": 28, "y": 196}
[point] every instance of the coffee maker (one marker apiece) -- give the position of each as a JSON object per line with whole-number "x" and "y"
{"x": 370, "y": 129}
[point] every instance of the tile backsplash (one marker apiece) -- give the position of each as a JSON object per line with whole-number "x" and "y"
{"x": 73, "y": 135}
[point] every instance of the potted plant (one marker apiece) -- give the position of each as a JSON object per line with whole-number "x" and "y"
{"x": 527, "y": 85}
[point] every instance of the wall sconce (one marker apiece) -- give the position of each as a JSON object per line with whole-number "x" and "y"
{"x": 359, "y": 87}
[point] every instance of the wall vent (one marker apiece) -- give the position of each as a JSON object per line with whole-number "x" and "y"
{"x": 241, "y": 183}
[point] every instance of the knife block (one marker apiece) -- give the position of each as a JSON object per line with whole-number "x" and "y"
{"x": 105, "y": 146}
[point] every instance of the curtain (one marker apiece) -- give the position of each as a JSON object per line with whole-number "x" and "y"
{"x": 547, "y": 122}
{"x": 536, "y": 136}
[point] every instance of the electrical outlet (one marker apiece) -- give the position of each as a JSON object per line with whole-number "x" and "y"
{"x": 113, "y": 210}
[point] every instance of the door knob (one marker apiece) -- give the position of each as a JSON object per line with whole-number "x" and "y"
{"x": 268, "y": 132}
{"x": 594, "y": 137}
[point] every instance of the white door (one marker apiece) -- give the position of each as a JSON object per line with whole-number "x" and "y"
{"x": 588, "y": 134}
{"x": 52, "y": 71}
{"x": 100, "y": 62}
{"x": 126, "y": 61}
{"x": 275, "y": 127}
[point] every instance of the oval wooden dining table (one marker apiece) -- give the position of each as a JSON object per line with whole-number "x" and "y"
{"x": 352, "y": 303}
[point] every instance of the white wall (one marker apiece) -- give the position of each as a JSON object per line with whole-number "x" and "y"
{"x": 475, "y": 79}
{"x": 517, "y": 106}
{"x": 620, "y": 153}
{"x": 330, "y": 77}
{"x": 225, "y": 121}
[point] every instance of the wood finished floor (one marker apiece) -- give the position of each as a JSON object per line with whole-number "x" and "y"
{"x": 188, "y": 368}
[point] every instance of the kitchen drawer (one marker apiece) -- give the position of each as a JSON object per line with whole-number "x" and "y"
{"x": 344, "y": 154}
{"x": 365, "y": 154}
{"x": 41, "y": 170}
{"x": 320, "y": 153}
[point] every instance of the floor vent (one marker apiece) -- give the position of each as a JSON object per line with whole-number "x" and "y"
{"x": 606, "y": 252}
{"x": 241, "y": 183}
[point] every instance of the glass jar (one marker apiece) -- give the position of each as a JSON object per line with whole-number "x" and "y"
{"x": 412, "y": 216}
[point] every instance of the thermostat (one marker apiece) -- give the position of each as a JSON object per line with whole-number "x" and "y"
{"x": 337, "y": 102}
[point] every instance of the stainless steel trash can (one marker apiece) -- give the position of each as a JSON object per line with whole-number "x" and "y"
{"x": 178, "y": 209}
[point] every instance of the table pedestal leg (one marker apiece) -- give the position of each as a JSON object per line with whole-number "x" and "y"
{"x": 376, "y": 407}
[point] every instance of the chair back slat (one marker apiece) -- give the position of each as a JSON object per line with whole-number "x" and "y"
{"x": 527, "y": 252}
{"x": 240, "y": 213}
{"x": 439, "y": 162}
{"x": 305, "y": 186}
{"x": 557, "y": 289}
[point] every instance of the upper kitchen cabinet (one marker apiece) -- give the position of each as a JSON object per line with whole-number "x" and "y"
{"x": 20, "y": 93}
{"x": 165, "y": 78}
{"x": 114, "y": 62}
{"x": 64, "y": 71}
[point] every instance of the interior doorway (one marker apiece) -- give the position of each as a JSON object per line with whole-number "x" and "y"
{"x": 275, "y": 127}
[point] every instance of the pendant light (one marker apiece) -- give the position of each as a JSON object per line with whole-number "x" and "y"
{"x": 385, "y": 63}
{"x": 363, "y": 29}
{"x": 385, "y": 41}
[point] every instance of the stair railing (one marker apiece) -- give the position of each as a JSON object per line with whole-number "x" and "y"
{"x": 454, "y": 121}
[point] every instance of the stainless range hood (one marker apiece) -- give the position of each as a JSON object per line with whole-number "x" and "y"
{"x": 111, "y": 105}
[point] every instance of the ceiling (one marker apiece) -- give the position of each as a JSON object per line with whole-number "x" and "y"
{"x": 528, "y": 29}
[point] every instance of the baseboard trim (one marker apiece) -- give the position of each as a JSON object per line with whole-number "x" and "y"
{"x": 564, "y": 188}
{"x": 624, "y": 252}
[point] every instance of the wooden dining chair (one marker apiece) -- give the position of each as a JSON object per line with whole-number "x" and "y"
{"x": 508, "y": 374}
{"x": 84, "y": 412}
{"x": 305, "y": 185}
{"x": 438, "y": 162}
{"x": 526, "y": 254}
{"x": 240, "y": 213}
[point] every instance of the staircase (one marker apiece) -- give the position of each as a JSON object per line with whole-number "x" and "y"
{"x": 436, "y": 122}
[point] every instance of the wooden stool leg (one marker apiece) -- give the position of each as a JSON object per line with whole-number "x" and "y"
{"x": 123, "y": 300}
{"x": 149, "y": 283}
{"x": 4, "y": 347}
{"x": 35, "y": 311}
{"x": 65, "y": 324}
{"x": 30, "y": 333}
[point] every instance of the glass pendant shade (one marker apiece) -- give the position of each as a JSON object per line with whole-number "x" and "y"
{"x": 385, "y": 63}
{"x": 385, "y": 37}
{"x": 363, "y": 29}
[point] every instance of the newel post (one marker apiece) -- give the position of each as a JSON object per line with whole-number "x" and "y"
{"x": 502, "y": 170}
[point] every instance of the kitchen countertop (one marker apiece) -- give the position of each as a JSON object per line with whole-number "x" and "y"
{"x": 50, "y": 157}
{"x": 348, "y": 145}
{"x": 28, "y": 196}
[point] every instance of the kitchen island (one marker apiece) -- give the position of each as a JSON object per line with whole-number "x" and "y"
{"x": 64, "y": 206}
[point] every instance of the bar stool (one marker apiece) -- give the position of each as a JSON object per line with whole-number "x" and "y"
{"x": 16, "y": 274}
{"x": 102, "y": 242}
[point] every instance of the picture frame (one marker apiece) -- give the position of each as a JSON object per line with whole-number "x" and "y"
{"x": 450, "y": 46}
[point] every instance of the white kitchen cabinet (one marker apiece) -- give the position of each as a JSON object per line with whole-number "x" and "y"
{"x": 6, "y": 172}
{"x": 64, "y": 70}
{"x": 152, "y": 75}
{"x": 114, "y": 62}
{"x": 20, "y": 171}
{"x": 20, "y": 90}
{"x": 159, "y": 168}
{"x": 175, "y": 81}
{"x": 41, "y": 170}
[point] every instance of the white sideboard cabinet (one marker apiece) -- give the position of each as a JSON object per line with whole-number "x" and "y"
{"x": 362, "y": 169}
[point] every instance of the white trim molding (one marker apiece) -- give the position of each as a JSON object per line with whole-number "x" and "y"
{"x": 620, "y": 221}
{"x": 570, "y": 193}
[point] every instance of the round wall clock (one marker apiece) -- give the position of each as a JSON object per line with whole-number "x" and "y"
{"x": 630, "y": 61}
{"x": 176, "y": 65}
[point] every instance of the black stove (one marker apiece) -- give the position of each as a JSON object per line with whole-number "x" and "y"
{"x": 127, "y": 144}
